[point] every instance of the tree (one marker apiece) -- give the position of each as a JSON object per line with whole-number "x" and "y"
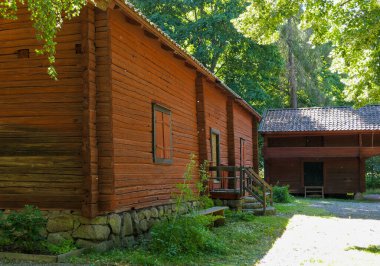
{"x": 351, "y": 26}
{"x": 204, "y": 29}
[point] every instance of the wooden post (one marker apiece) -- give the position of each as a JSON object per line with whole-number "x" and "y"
{"x": 231, "y": 139}
{"x": 89, "y": 139}
{"x": 362, "y": 185}
{"x": 255, "y": 144}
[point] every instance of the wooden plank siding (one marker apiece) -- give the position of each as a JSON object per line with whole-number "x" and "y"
{"x": 243, "y": 130}
{"x": 143, "y": 73}
{"x": 216, "y": 118}
{"x": 85, "y": 142}
{"x": 104, "y": 108}
{"x": 41, "y": 120}
{"x": 343, "y": 156}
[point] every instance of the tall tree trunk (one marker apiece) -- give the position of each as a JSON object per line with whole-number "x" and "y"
{"x": 291, "y": 67}
{"x": 292, "y": 80}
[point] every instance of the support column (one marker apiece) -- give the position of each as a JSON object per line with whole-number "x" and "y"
{"x": 89, "y": 139}
{"x": 255, "y": 145}
{"x": 362, "y": 170}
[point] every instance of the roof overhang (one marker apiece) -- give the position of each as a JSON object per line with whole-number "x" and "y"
{"x": 170, "y": 45}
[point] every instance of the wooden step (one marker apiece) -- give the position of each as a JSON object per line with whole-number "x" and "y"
{"x": 252, "y": 205}
{"x": 250, "y": 200}
{"x": 269, "y": 211}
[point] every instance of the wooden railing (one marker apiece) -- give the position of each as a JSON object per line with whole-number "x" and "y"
{"x": 241, "y": 181}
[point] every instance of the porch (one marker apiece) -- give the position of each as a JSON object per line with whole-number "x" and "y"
{"x": 239, "y": 182}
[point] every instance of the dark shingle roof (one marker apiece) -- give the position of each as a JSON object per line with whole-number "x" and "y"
{"x": 321, "y": 119}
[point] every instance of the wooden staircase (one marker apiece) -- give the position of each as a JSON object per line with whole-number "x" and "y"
{"x": 260, "y": 199}
{"x": 242, "y": 183}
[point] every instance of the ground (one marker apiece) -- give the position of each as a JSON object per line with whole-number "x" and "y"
{"x": 305, "y": 232}
{"x": 310, "y": 240}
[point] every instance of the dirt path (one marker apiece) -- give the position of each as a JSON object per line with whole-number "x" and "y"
{"x": 350, "y": 209}
{"x": 310, "y": 240}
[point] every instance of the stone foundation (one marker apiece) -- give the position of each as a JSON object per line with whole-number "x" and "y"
{"x": 106, "y": 231}
{"x": 233, "y": 204}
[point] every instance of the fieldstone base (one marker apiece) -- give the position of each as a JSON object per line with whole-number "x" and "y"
{"x": 233, "y": 204}
{"x": 106, "y": 231}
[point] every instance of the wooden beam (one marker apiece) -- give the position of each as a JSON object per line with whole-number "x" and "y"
{"x": 190, "y": 66}
{"x": 150, "y": 34}
{"x": 89, "y": 139}
{"x": 310, "y": 152}
{"x": 132, "y": 21}
{"x": 166, "y": 47}
{"x": 178, "y": 56}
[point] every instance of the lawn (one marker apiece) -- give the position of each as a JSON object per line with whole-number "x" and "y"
{"x": 246, "y": 240}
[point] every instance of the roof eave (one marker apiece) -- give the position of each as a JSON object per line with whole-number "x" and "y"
{"x": 166, "y": 40}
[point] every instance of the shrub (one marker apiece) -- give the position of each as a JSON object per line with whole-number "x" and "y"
{"x": 185, "y": 235}
{"x": 281, "y": 194}
{"x": 21, "y": 230}
{"x": 239, "y": 215}
{"x": 61, "y": 248}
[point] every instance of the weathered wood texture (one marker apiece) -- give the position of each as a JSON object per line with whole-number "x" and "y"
{"x": 84, "y": 142}
{"x": 143, "y": 73}
{"x": 40, "y": 119}
{"x": 89, "y": 142}
{"x": 104, "y": 108}
{"x": 243, "y": 130}
{"x": 343, "y": 157}
{"x": 216, "y": 118}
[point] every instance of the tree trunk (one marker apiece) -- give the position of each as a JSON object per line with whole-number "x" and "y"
{"x": 291, "y": 68}
{"x": 292, "y": 80}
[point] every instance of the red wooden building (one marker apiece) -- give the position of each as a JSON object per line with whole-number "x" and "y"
{"x": 115, "y": 132}
{"x": 320, "y": 147}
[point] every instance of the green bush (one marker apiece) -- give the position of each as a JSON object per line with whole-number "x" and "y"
{"x": 239, "y": 215}
{"x": 281, "y": 194}
{"x": 185, "y": 235}
{"x": 61, "y": 248}
{"x": 21, "y": 230}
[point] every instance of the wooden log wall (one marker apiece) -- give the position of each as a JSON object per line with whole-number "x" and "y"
{"x": 143, "y": 73}
{"x": 104, "y": 108}
{"x": 40, "y": 119}
{"x": 341, "y": 175}
{"x": 216, "y": 118}
{"x": 89, "y": 141}
{"x": 243, "y": 129}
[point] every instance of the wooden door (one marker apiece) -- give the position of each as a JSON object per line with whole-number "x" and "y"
{"x": 313, "y": 173}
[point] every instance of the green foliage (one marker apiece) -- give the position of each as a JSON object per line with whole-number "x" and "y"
{"x": 281, "y": 194}
{"x": 239, "y": 215}
{"x": 61, "y": 248}
{"x": 246, "y": 242}
{"x": 187, "y": 235}
{"x": 373, "y": 172}
{"x": 21, "y": 230}
{"x": 47, "y": 17}
{"x": 352, "y": 27}
{"x": 371, "y": 249}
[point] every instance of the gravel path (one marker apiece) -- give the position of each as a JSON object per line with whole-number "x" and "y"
{"x": 310, "y": 240}
{"x": 350, "y": 209}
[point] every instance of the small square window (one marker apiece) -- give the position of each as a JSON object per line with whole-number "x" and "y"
{"x": 162, "y": 135}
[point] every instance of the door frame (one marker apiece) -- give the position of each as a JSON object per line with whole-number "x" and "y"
{"x": 311, "y": 160}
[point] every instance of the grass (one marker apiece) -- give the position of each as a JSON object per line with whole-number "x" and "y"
{"x": 373, "y": 191}
{"x": 246, "y": 238}
{"x": 370, "y": 249}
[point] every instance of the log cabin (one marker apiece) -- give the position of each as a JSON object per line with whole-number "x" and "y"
{"x": 320, "y": 147}
{"x": 115, "y": 132}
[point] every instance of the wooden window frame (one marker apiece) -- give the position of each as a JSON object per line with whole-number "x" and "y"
{"x": 160, "y": 108}
{"x": 215, "y": 132}
{"x": 242, "y": 154}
